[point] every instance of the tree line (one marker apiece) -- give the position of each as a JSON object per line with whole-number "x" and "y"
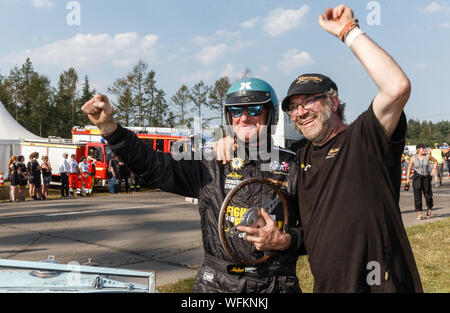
{"x": 427, "y": 132}
{"x": 52, "y": 111}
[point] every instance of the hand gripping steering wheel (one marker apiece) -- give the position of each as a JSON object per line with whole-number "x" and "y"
{"x": 241, "y": 207}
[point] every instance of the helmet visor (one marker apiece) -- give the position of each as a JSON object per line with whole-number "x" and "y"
{"x": 247, "y": 97}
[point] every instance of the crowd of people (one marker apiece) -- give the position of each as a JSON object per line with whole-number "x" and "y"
{"x": 76, "y": 177}
{"x": 22, "y": 174}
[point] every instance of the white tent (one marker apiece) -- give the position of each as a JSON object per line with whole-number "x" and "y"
{"x": 11, "y": 132}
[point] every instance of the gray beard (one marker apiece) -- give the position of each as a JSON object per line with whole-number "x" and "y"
{"x": 324, "y": 132}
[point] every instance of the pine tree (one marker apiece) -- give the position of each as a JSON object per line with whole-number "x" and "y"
{"x": 65, "y": 102}
{"x": 124, "y": 109}
{"x": 87, "y": 94}
{"x": 198, "y": 96}
{"x": 181, "y": 100}
{"x": 217, "y": 97}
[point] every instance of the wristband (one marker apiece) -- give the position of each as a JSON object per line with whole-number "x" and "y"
{"x": 351, "y": 36}
{"x": 349, "y": 26}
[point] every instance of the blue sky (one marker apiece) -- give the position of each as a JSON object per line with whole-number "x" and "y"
{"x": 187, "y": 41}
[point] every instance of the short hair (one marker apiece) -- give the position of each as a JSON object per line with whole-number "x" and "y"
{"x": 420, "y": 145}
{"x": 341, "y": 107}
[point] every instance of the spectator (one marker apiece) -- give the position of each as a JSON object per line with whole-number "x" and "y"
{"x": 22, "y": 177}
{"x": 34, "y": 176}
{"x": 84, "y": 176}
{"x": 64, "y": 170}
{"x": 135, "y": 182}
{"x": 447, "y": 159}
{"x": 73, "y": 176}
{"x": 421, "y": 179}
{"x": 439, "y": 156}
{"x": 46, "y": 170}
{"x": 124, "y": 173}
{"x": 13, "y": 178}
{"x": 115, "y": 174}
{"x": 91, "y": 162}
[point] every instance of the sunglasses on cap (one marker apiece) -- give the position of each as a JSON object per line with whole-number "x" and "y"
{"x": 252, "y": 110}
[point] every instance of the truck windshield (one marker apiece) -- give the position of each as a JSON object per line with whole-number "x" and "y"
{"x": 96, "y": 153}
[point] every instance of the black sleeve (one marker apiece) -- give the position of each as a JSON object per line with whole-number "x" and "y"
{"x": 387, "y": 151}
{"x": 157, "y": 169}
{"x": 376, "y": 141}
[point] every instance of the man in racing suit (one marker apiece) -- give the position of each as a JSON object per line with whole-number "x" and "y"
{"x": 210, "y": 181}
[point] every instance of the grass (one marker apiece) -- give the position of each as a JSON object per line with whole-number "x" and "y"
{"x": 430, "y": 243}
{"x": 431, "y": 247}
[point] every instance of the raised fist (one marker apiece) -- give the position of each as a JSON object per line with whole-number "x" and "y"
{"x": 100, "y": 113}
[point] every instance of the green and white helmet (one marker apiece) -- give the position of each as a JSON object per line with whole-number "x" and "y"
{"x": 252, "y": 91}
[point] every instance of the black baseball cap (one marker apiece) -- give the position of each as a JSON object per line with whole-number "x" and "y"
{"x": 308, "y": 84}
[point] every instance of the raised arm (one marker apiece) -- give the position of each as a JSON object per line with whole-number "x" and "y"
{"x": 394, "y": 86}
{"x": 159, "y": 170}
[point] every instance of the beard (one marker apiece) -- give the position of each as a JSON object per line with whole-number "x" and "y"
{"x": 319, "y": 132}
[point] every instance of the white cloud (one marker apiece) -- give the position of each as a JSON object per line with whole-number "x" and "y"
{"x": 220, "y": 35}
{"x": 42, "y": 3}
{"x": 210, "y": 54}
{"x": 444, "y": 25}
{"x": 90, "y": 50}
{"x": 294, "y": 60}
{"x": 280, "y": 20}
{"x": 435, "y": 7}
{"x": 250, "y": 23}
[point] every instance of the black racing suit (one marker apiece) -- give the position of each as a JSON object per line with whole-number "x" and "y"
{"x": 210, "y": 182}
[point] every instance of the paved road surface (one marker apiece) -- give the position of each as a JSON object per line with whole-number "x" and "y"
{"x": 144, "y": 231}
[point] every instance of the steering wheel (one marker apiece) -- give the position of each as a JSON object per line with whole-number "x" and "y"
{"x": 242, "y": 207}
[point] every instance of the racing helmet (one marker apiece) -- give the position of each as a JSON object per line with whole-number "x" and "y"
{"x": 252, "y": 91}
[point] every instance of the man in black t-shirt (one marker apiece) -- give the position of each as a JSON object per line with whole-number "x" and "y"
{"x": 350, "y": 175}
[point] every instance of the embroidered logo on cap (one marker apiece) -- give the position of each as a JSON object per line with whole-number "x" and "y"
{"x": 306, "y": 79}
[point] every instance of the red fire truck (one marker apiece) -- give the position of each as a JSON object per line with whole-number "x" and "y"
{"x": 86, "y": 141}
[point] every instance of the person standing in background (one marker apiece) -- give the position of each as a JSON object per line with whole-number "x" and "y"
{"x": 23, "y": 177}
{"x": 84, "y": 176}
{"x": 439, "y": 156}
{"x": 115, "y": 174}
{"x": 46, "y": 170}
{"x": 124, "y": 173}
{"x": 64, "y": 170}
{"x": 13, "y": 178}
{"x": 73, "y": 176}
{"x": 421, "y": 179}
{"x": 447, "y": 159}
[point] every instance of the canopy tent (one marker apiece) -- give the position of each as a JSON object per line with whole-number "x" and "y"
{"x": 11, "y": 132}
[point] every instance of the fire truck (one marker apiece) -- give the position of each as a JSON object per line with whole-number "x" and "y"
{"x": 87, "y": 141}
